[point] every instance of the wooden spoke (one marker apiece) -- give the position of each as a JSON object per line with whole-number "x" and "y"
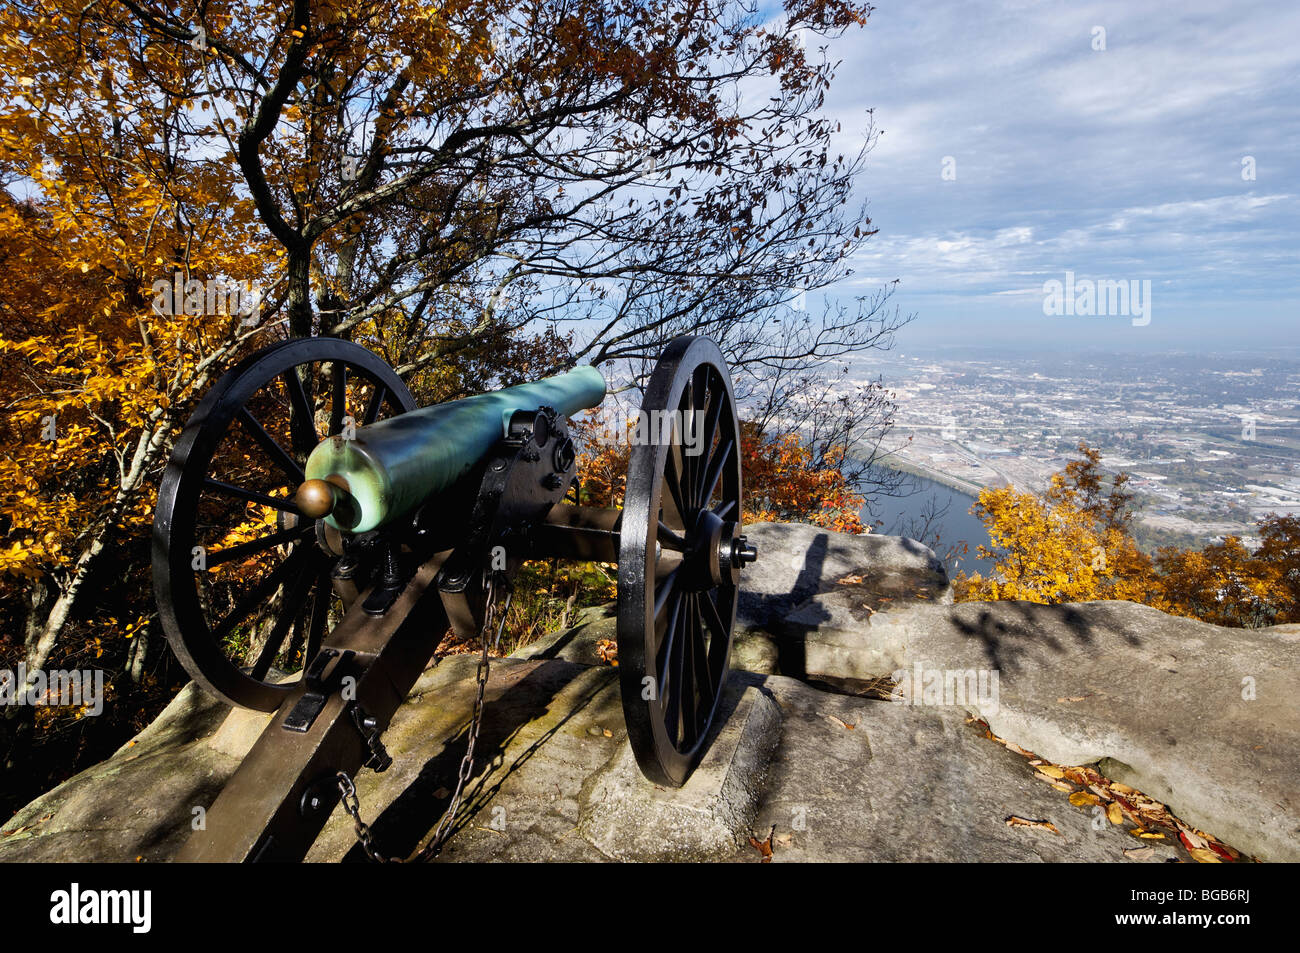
{"x": 663, "y": 589}
{"x": 259, "y": 545}
{"x": 675, "y": 478}
{"x": 320, "y": 611}
{"x": 282, "y": 503}
{"x": 714, "y": 473}
{"x": 286, "y": 616}
{"x": 302, "y": 421}
{"x": 669, "y": 539}
{"x": 276, "y": 452}
{"x": 259, "y": 594}
{"x": 374, "y": 405}
{"x": 338, "y": 399}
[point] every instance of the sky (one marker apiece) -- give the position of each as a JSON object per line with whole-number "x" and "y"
{"x": 1019, "y": 142}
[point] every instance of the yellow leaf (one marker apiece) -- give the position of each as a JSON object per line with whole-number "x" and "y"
{"x": 1115, "y": 813}
{"x": 1084, "y": 798}
{"x": 1051, "y": 770}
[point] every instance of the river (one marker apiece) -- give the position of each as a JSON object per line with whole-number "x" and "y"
{"x": 901, "y": 515}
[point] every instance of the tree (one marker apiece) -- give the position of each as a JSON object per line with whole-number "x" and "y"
{"x": 480, "y": 191}
{"x": 1073, "y": 544}
{"x": 1069, "y": 545}
{"x": 783, "y": 480}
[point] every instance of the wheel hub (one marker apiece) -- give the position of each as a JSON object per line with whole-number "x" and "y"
{"x": 716, "y": 554}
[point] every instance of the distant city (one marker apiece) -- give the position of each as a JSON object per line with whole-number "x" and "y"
{"x": 1212, "y": 443}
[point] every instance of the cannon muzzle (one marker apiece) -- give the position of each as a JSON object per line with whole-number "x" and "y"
{"x": 392, "y": 466}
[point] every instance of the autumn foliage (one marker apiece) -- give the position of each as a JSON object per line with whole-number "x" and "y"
{"x": 782, "y": 481}
{"x": 1073, "y": 544}
{"x": 457, "y": 186}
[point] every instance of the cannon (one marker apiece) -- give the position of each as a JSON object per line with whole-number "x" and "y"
{"x": 317, "y": 534}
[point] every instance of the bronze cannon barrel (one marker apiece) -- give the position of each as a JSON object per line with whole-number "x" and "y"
{"x": 393, "y": 465}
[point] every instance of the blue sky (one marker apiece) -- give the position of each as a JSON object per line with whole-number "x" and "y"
{"x": 1121, "y": 164}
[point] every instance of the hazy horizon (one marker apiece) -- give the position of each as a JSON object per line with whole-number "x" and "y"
{"x": 1014, "y": 150}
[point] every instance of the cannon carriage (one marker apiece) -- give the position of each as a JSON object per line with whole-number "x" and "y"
{"x": 313, "y": 520}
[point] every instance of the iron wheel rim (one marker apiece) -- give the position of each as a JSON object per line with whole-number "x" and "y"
{"x": 185, "y": 481}
{"x": 675, "y": 635}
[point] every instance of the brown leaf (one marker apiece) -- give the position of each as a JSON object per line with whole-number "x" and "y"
{"x": 1015, "y": 821}
{"x": 849, "y": 581}
{"x": 764, "y": 846}
{"x": 1224, "y": 851}
{"x": 1138, "y": 853}
{"x": 1059, "y": 785}
{"x": 607, "y": 650}
{"x": 842, "y": 724}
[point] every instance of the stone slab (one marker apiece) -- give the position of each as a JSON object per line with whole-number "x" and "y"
{"x": 626, "y": 817}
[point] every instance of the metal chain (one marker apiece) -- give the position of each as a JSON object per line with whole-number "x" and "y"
{"x": 348, "y": 790}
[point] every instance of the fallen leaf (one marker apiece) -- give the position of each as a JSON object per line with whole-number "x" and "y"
{"x": 842, "y": 724}
{"x": 764, "y": 847}
{"x": 849, "y": 581}
{"x": 1073, "y": 698}
{"x": 1015, "y": 821}
{"x": 1051, "y": 770}
{"x": 1059, "y": 785}
{"x": 1138, "y": 853}
{"x": 1224, "y": 851}
{"x": 1114, "y": 813}
{"x": 1084, "y": 798}
{"x": 1191, "y": 840}
{"x": 1203, "y": 856}
{"x": 608, "y": 733}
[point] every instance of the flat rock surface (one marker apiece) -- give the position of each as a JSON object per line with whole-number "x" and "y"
{"x": 1203, "y": 718}
{"x": 902, "y": 783}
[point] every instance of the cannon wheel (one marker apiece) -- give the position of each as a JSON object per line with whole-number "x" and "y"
{"x": 677, "y": 569}
{"x": 233, "y": 472}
